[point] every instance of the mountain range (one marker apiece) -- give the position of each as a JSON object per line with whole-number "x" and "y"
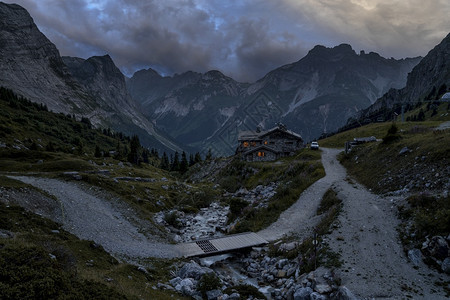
{"x": 201, "y": 111}
{"x": 313, "y": 95}
{"x": 428, "y": 81}
{"x": 94, "y": 88}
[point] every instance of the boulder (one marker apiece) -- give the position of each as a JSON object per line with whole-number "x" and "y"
{"x": 323, "y": 288}
{"x": 446, "y": 265}
{"x": 234, "y": 296}
{"x": 186, "y": 286}
{"x": 317, "y": 296}
{"x": 437, "y": 247}
{"x": 345, "y": 294}
{"x": 213, "y": 294}
{"x": 303, "y": 293}
{"x": 415, "y": 256}
{"x": 193, "y": 270}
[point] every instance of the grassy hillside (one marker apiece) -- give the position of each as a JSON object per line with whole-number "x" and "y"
{"x": 39, "y": 260}
{"x": 292, "y": 174}
{"x": 416, "y": 160}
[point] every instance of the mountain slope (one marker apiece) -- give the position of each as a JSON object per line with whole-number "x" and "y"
{"x": 427, "y": 81}
{"x": 191, "y": 107}
{"x": 319, "y": 92}
{"x": 32, "y": 66}
{"x": 314, "y": 95}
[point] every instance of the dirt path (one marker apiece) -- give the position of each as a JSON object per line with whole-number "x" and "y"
{"x": 375, "y": 266}
{"x": 103, "y": 219}
{"x": 299, "y": 217}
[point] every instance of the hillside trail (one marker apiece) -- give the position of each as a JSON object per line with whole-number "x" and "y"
{"x": 94, "y": 215}
{"x": 374, "y": 263}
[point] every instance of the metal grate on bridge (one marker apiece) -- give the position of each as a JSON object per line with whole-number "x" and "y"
{"x": 221, "y": 245}
{"x": 206, "y": 246}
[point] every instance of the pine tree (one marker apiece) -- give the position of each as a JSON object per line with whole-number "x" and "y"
{"x": 135, "y": 145}
{"x": 97, "y": 152}
{"x": 197, "y": 158}
{"x": 165, "y": 164}
{"x": 191, "y": 160}
{"x": 184, "y": 165}
{"x": 176, "y": 162}
{"x": 209, "y": 155}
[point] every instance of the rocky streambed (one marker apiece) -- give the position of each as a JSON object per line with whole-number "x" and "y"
{"x": 232, "y": 276}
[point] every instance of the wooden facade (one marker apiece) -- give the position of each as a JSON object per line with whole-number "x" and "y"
{"x": 268, "y": 145}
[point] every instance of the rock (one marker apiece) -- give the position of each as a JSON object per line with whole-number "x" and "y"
{"x": 323, "y": 288}
{"x": 234, "y": 296}
{"x": 175, "y": 281}
{"x": 415, "y": 256}
{"x": 345, "y": 294}
{"x": 446, "y": 265}
{"x": 404, "y": 150}
{"x": 193, "y": 270}
{"x": 163, "y": 286}
{"x": 213, "y": 294}
{"x": 142, "y": 269}
{"x": 303, "y": 293}
{"x": 282, "y": 262}
{"x": 6, "y": 234}
{"x": 317, "y": 296}
{"x": 186, "y": 286}
{"x": 281, "y": 274}
{"x": 288, "y": 246}
{"x": 437, "y": 247}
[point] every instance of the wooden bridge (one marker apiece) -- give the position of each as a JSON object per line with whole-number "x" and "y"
{"x": 229, "y": 243}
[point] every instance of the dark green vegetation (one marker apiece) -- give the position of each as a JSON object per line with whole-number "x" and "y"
{"x": 245, "y": 291}
{"x": 422, "y": 163}
{"x": 424, "y": 215}
{"x": 313, "y": 252}
{"x": 42, "y": 261}
{"x": 34, "y": 139}
{"x": 293, "y": 174}
{"x": 432, "y": 114}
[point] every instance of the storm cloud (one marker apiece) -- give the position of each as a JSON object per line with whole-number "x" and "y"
{"x": 243, "y": 39}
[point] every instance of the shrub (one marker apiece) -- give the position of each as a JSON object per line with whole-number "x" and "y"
{"x": 391, "y": 135}
{"x": 171, "y": 218}
{"x": 208, "y": 282}
{"x": 246, "y": 291}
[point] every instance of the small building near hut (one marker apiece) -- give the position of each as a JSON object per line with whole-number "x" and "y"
{"x": 260, "y": 145}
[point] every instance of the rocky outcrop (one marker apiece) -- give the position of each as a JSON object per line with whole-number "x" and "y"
{"x": 32, "y": 67}
{"x": 428, "y": 80}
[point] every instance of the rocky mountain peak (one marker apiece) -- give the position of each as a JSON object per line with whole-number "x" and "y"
{"x": 324, "y": 52}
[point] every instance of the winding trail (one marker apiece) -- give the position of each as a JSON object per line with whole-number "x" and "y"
{"x": 103, "y": 219}
{"x": 301, "y": 217}
{"x": 374, "y": 264}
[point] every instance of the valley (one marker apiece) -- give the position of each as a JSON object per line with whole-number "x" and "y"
{"x": 105, "y": 178}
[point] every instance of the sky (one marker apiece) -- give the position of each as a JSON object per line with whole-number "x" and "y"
{"x": 244, "y": 39}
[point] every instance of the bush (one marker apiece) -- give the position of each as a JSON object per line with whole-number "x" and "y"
{"x": 208, "y": 282}
{"x": 171, "y": 218}
{"x": 391, "y": 135}
{"x": 246, "y": 291}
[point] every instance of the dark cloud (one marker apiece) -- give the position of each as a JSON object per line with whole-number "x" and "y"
{"x": 244, "y": 39}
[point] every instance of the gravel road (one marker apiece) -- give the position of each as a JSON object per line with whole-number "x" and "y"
{"x": 301, "y": 216}
{"x": 103, "y": 219}
{"x": 375, "y": 266}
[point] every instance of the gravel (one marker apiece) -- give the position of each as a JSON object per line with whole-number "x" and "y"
{"x": 102, "y": 219}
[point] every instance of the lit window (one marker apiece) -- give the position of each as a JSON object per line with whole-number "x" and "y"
{"x": 245, "y": 144}
{"x": 265, "y": 143}
{"x": 261, "y": 154}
